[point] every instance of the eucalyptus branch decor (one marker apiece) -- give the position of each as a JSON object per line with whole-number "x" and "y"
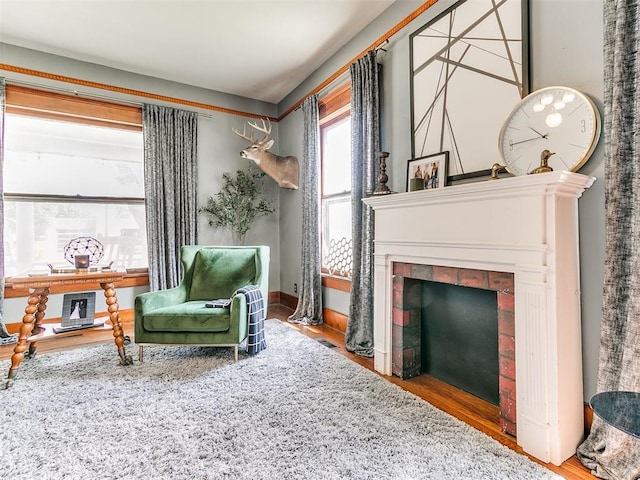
{"x": 238, "y": 204}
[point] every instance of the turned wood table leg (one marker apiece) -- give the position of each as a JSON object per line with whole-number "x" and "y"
{"x": 114, "y": 316}
{"x": 37, "y": 327}
{"x": 31, "y": 323}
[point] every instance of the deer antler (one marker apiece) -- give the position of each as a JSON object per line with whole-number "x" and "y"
{"x": 265, "y": 129}
{"x": 244, "y": 135}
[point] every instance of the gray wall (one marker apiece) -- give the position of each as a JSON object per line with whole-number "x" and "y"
{"x": 565, "y": 49}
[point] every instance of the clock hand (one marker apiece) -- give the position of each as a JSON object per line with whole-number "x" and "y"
{"x": 543, "y": 136}
{"x": 527, "y": 140}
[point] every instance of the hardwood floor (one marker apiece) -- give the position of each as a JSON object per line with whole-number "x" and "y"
{"x": 466, "y": 407}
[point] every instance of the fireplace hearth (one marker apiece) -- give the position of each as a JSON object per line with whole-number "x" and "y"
{"x": 524, "y": 228}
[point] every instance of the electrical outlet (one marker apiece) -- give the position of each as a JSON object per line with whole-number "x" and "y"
{"x": 295, "y": 288}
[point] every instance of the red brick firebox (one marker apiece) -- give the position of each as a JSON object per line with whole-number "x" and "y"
{"x": 407, "y": 324}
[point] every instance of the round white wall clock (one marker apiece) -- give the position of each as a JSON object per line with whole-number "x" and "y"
{"x": 560, "y": 120}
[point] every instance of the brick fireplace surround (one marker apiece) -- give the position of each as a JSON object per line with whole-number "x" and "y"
{"x": 406, "y": 336}
{"x": 525, "y": 227}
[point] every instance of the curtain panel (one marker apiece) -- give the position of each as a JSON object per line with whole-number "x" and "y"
{"x": 365, "y": 145}
{"x": 309, "y": 308}
{"x": 170, "y": 172}
{"x": 4, "y": 335}
{"x": 608, "y": 452}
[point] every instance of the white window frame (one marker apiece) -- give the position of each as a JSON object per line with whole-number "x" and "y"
{"x": 334, "y": 107}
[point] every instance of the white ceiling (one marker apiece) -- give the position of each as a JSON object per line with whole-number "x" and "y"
{"x": 259, "y": 49}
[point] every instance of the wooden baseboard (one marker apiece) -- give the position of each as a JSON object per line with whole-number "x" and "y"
{"x": 288, "y": 301}
{"x": 274, "y": 298}
{"x": 335, "y": 320}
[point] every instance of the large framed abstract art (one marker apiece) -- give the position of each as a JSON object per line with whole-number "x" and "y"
{"x": 469, "y": 68}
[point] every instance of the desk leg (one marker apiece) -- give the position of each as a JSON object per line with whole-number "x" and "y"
{"x": 114, "y": 316}
{"x": 37, "y": 327}
{"x": 31, "y": 324}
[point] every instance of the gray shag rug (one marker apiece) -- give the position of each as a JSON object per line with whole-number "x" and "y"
{"x": 296, "y": 410}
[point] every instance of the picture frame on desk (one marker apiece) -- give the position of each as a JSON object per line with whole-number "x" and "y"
{"x": 428, "y": 172}
{"x": 78, "y": 309}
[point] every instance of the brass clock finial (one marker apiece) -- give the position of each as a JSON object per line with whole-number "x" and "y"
{"x": 544, "y": 163}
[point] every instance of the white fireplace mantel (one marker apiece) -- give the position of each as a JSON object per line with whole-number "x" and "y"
{"x": 525, "y": 225}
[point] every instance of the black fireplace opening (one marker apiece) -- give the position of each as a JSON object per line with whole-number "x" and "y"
{"x": 459, "y": 341}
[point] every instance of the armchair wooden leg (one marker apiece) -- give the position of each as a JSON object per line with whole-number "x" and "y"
{"x": 235, "y": 348}
{"x": 140, "y": 353}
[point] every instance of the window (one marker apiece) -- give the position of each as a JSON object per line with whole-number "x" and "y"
{"x": 335, "y": 135}
{"x": 71, "y": 170}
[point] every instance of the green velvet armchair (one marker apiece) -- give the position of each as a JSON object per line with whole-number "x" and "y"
{"x": 179, "y": 316}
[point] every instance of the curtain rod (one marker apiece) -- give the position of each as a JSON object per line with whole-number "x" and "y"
{"x": 84, "y": 94}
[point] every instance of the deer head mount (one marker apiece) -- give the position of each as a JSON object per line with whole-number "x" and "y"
{"x": 284, "y": 170}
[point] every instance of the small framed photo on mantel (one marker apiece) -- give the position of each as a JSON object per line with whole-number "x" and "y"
{"x": 428, "y": 173}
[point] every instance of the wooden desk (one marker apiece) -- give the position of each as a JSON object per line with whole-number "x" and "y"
{"x": 39, "y": 287}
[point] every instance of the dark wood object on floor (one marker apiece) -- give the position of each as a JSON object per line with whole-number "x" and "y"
{"x": 33, "y": 330}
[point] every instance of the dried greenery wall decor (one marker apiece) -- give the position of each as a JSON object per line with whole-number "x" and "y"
{"x": 238, "y": 204}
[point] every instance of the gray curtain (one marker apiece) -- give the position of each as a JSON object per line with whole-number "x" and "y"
{"x": 608, "y": 452}
{"x": 4, "y": 335}
{"x": 170, "y": 173}
{"x": 309, "y": 308}
{"x": 365, "y": 145}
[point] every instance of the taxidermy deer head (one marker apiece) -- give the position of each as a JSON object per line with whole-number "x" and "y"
{"x": 284, "y": 170}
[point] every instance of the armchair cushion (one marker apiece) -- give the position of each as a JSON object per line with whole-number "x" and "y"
{"x": 187, "y": 317}
{"x": 217, "y": 273}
